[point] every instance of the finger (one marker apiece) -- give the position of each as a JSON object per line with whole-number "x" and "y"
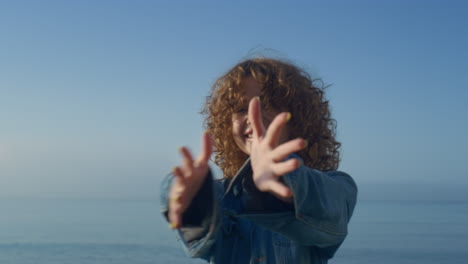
{"x": 279, "y": 189}
{"x": 175, "y": 204}
{"x": 273, "y": 132}
{"x": 255, "y": 117}
{"x": 178, "y": 175}
{"x": 282, "y": 168}
{"x": 187, "y": 162}
{"x": 179, "y": 187}
{"x": 282, "y": 151}
{"x": 207, "y": 148}
{"x": 175, "y": 215}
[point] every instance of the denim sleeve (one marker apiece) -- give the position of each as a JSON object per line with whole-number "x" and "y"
{"x": 323, "y": 205}
{"x": 201, "y": 220}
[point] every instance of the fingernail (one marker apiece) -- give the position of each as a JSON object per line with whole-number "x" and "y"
{"x": 174, "y": 170}
{"x": 176, "y": 199}
{"x": 306, "y": 143}
{"x": 173, "y": 225}
{"x": 258, "y": 98}
{"x": 288, "y": 117}
{"x": 180, "y": 149}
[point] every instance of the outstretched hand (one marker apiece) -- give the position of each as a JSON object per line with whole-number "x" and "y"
{"x": 267, "y": 154}
{"x": 188, "y": 180}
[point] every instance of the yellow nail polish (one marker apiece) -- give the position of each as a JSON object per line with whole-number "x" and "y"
{"x": 288, "y": 117}
{"x": 258, "y": 98}
{"x": 306, "y": 143}
{"x": 173, "y": 225}
{"x": 176, "y": 198}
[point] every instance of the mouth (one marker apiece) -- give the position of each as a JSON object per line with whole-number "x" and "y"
{"x": 248, "y": 135}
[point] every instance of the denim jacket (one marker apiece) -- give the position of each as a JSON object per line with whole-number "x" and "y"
{"x": 231, "y": 221}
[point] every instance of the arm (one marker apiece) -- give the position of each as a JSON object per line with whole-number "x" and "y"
{"x": 323, "y": 201}
{"x": 323, "y": 205}
{"x": 188, "y": 201}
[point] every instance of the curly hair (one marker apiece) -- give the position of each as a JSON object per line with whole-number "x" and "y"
{"x": 284, "y": 87}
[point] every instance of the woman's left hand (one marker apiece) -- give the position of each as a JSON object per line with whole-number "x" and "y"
{"x": 267, "y": 155}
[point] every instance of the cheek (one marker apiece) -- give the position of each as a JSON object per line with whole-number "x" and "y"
{"x": 236, "y": 125}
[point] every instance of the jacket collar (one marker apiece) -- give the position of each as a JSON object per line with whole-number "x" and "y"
{"x": 244, "y": 170}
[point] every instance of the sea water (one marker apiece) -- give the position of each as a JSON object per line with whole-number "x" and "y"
{"x": 104, "y": 231}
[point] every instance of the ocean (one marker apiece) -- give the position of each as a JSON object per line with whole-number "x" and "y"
{"x": 105, "y": 231}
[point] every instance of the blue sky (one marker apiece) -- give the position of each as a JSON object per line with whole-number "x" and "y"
{"x": 96, "y": 96}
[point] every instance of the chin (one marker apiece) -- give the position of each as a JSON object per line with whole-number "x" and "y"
{"x": 244, "y": 146}
{"x": 247, "y": 149}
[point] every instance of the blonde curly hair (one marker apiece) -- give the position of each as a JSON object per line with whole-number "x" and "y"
{"x": 284, "y": 87}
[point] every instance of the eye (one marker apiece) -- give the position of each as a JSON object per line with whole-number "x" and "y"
{"x": 241, "y": 110}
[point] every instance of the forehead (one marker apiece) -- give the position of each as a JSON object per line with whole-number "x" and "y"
{"x": 251, "y": 88}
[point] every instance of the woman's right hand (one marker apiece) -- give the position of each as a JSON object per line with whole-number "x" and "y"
{"x": 188, "y": 179}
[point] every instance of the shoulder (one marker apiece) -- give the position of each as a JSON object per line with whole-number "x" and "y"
{"x": 343, "y": 176}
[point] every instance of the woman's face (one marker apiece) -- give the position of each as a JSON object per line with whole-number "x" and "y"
{"x": 241, "y": 127}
